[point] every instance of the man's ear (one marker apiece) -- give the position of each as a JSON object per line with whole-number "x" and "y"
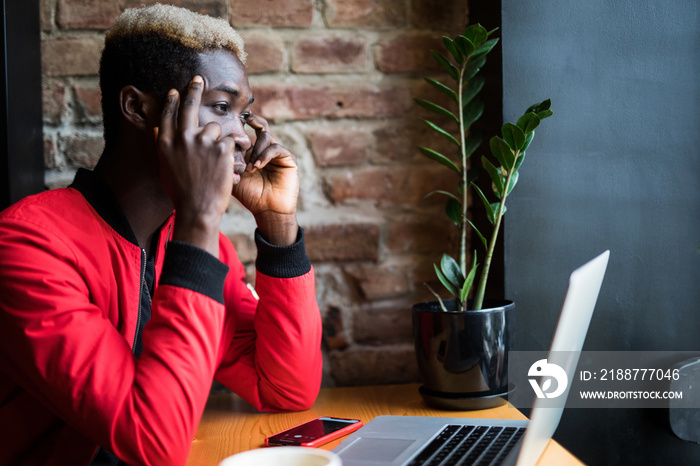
{"x": 139, "y": 108}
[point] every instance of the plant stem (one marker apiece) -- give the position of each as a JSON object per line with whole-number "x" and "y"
{"x": 465, "y": 186}
{"x": 439, "y": 299}
{"x": 481, "y": 290}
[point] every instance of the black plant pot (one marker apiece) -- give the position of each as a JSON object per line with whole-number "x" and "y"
{"x": 463, "y": 356}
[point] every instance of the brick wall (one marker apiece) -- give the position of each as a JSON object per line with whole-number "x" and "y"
{"x": 336, "y": 79}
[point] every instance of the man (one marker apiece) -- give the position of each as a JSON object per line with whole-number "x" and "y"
{"x": 83, "y": 379}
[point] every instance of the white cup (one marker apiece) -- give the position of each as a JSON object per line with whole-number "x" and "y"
{"x": 283, "y": 456}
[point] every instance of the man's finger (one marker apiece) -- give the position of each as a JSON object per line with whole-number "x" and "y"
{"x": 276, "y": 152}
{"x": 211, "y": 130}
{"x": 188, "y": 116}
{"x": 258, "y": 123}
{"x": 263, "y": 141}
{"x": 167, "y": 118}
{"x": 227, "y": 146}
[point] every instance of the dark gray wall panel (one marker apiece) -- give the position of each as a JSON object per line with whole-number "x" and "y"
{"x": 617, "y": 167}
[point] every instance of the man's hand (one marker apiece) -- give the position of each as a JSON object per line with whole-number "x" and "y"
{"x": 269, "y": 188}
{"x": 196, "y": 168}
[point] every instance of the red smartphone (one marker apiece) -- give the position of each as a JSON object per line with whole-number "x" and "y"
{"x": 315, "y": 432}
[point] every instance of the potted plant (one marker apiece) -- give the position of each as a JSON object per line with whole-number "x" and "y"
{"x": 462, "y": 343}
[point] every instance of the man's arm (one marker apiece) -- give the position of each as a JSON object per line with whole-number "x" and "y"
{"x": 272, "y": 351}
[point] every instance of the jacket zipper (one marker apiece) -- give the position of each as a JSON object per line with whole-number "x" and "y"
{"x": 141, "y": 285}
{"x": 138, "y": 323}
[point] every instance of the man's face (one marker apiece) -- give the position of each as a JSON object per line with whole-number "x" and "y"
{"x": 226, "y": 99}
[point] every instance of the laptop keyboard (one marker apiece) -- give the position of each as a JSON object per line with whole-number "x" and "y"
{"x": 469, "y": 445}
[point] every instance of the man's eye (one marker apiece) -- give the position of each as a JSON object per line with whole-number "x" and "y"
{"x": 223, "y": 108}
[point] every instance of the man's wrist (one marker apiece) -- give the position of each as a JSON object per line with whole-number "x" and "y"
{"x": 278, "y": 229}
{"x": 198, "y": 232}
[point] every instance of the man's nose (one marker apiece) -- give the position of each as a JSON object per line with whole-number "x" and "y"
{"x": 240, "y": 137}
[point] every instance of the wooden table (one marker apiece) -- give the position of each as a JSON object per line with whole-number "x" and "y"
{"x": 230, "y": 425}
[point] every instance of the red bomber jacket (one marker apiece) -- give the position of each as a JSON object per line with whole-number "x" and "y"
{"x": 71, "y": 278}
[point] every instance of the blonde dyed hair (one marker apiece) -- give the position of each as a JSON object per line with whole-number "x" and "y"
{"x": 156, "y": 48}
{"x": 193, "y": 30}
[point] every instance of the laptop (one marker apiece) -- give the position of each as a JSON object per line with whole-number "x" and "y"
{"x": 419, "y": 440}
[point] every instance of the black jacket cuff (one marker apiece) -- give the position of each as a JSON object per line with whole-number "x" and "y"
{"x": 282, "y": 261}
{"x": 188, "y": 266}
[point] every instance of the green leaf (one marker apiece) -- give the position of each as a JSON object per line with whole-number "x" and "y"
{"x": 438, "y": 157}
{"x": 503, "y": 153}
{"x": 450, "y": 45}
{"x": 465, "y": 45}
{"x": 469, "y": 280}
{"x": 446, "y": 64}
{"x": 495, "y": 207}
{"x": 513, "y": 136}
{"x": 473, "y": 67}
{"x": 445, "y": 282}
{"x": 486, "y": 47}
{"x": 439, "y": 191}
{"x": 472, "y": 88}
{"x": 545, "y": 105}
{"x": 513, "y": 181}
{"x": 528, "y": 122}
{"x": 472, "y": 143}
{"x": 452, "y": 270}
{"x": 545, "y": 114}
{"x": 478, "y": 233}
{"x": 490, "y": 213}
{"x": 443, "y": 132}
{"x": 519, "y": 161}
{"x": 495, "y": 175}
{"x": 476, "y": 33}
{"x": 473, "y": 112}
{"x": 528, "y": 139}
{"x": 453, "y": 209}
{"x": 442, "y": 88}
{"x": 540, "y": 107}
{"x": 436, "y": 109}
